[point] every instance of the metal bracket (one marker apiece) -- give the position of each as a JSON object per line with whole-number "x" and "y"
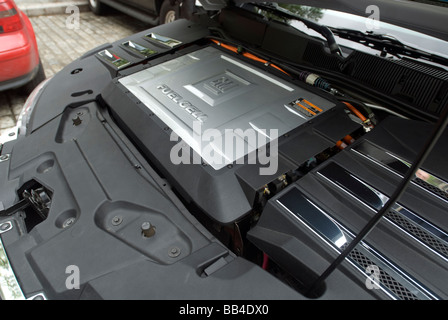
{"x": 38, "y": 199}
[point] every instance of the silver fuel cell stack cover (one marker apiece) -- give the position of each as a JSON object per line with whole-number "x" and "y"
{"x": 208, "y": 96}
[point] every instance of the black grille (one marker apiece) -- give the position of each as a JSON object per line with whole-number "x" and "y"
{"x": 430, "y": 187}
{"x": 428, "y": 70}
{"x": 418, "y": 232}
{"x": 415, "y": 85}
{"x": 422, "y": 87}
{"x": 386, "y": 279}
{"x": 315, "y": 55}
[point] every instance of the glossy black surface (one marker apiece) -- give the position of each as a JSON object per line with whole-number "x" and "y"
{"x": 304, "y": 209}
{"x": 341, "y": 177}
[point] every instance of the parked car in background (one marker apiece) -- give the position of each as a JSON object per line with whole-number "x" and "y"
{"x": 20, "y": 65}
{"x": 151, "y": 11}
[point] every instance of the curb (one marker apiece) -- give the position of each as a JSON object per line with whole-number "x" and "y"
{"x": 33, "y": 9}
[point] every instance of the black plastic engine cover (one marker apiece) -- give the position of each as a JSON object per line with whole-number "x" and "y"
{"x": 225, "y": 193}
{"x": 314, "y": 219}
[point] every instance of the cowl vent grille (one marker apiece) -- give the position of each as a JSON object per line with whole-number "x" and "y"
{"x": 437, "y": 191}
{"x": 411, "y": 227}
{"x": 385, "y": 279}
{"x": 422, "y": 87}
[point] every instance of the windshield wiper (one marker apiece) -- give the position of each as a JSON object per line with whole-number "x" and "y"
{"x": 387, "y": 45}
{"x": 323, "y": 30}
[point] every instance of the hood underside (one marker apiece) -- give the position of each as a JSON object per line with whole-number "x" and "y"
{"x": 425, "y": 18}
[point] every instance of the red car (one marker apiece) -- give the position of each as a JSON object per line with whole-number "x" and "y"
{"x": 19, "y": 58}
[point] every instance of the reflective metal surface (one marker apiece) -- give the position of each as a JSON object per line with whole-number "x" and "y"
{"x": 390, "y": 279}
{"x": 138, "y": 48}
{"x": 220, "y": 106}
{"x": 113, "y": 59}
{"x": 404, "y": 219}
{"x": 354, "y": 186}
{"x": 303, "y": 209}
{"x": 398, "y": 166}
{"x": 169, "y": 42}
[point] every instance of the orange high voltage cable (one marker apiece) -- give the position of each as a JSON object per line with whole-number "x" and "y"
{"x": 355, "y": 111}
{"x": 248, "y": 55}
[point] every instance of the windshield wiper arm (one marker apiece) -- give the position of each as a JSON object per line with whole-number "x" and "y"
{"x": 323, "y": 30}
{"x": 387, "y": 44}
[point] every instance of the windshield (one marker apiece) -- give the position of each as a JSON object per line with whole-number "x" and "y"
{"x": 370, "y": 23}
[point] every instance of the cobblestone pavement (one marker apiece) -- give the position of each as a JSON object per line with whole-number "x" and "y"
{"x": 59, "y": 45}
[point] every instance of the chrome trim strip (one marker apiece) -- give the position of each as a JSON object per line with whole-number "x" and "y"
{"x": 377, "y": 162}
{"x": 390, "y": 268}
{"x": 113, "y": 59}
{"x": 338, "y": 251}
{"x": 427, "y": 226}
{"x": 9, "y": 286}
{"x": 422, "y": 223}
{"x": 370, "y": 253}
{"x": 346, "y": 180}
{"x": 301, "y": 207}
{"x": 416, "y": 239}
{"x": 428, "y": 191}
{"x": 342, "y": 240}
{"x": 383, "y": 198}
{"x": 342, "y": 189}
{"x": 167, "y": 41}
{"x": 380, "y": 285}
{"x": 332, "y": 245}
{"x": 138, "y": 48}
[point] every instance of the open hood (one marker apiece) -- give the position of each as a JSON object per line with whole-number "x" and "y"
{"x": 425, "y": 18}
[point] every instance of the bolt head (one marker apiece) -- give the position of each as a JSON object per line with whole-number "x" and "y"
{"x": 146, "y": 225}
{"x": 77, "y": 121}
{"x": 174, "y": 252}
{"x": 67, "y": 223}
{"x": 117, "y": 220}
{"x": 148, "y": 230}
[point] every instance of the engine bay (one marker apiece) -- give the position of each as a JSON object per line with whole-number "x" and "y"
{"x": 319, "y": 145}
{"x": 222, "y": 87}
{"x": 222, "y": 158}
{"x": 241, "y": 115}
